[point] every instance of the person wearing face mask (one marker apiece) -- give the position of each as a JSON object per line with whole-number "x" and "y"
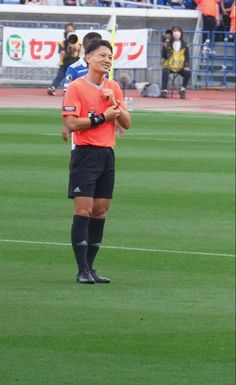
{"x": 69, "y": 51}
{"x": 175, "y": 59}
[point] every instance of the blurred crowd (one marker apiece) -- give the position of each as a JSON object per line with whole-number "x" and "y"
{"x": 184, "y": 4}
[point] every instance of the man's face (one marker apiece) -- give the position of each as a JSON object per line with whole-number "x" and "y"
{"x": 100, "y": 60}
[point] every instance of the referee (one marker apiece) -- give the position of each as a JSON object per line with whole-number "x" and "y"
{"x": 91, "y": 106}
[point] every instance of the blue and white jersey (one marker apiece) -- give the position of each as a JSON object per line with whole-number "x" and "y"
{"x": 74, "y": 71}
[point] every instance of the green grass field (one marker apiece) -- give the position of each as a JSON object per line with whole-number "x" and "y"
{"x": 167, "y": 318}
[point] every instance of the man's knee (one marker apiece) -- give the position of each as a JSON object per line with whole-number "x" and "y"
{"x": 99, "y": 213}
{"x": 100, "y": 208}
{"x": 83, "y": 206}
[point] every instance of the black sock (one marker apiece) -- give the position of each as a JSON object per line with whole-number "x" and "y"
{"x": 79, "y": 240}
{"x": 96, "y": 227}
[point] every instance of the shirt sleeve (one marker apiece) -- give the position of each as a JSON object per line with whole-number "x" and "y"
{"x": 70, "y": 76}
{"x": 71, "y": 103}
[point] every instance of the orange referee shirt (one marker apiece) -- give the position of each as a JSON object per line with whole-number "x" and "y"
{"x": 84, "y": 98}
{"x": 208, "y": 7}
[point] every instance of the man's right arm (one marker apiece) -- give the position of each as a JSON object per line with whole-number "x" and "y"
{"x": 75, "y": 123}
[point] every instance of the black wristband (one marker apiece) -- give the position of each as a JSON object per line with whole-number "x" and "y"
{"x": 96, "y": 120}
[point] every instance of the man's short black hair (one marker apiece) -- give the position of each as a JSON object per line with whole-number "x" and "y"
{"x": 95, "y": 44}
{"x": 89, "y": 37}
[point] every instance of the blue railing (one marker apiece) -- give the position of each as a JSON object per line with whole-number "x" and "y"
{"x": 212, "y": 67}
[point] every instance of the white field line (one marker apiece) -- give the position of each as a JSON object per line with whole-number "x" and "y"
{"x": 122, "y": 248}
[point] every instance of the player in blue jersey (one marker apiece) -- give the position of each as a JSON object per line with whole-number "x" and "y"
{"x": 74, "y": 71}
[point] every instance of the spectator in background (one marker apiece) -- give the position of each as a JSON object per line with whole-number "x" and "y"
{"x": 69, "y": 51}
{"x": 189, "y": 4}
{"x": 104, "y": 3}
{"x": 224, "y": 20}
{"x": 12, "y": 2}
{"x": 52, "y": 2}
{"x": 225, "y": 8}
{"x": 210, "y": 12}
{"x": 176, "y": 3}
{"x": 175, "y": 59}
{"x": 69, "y": 2}
{"x": 33, "y": 2}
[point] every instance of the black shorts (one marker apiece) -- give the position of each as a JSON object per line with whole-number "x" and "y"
{"x": 92, "y": 172}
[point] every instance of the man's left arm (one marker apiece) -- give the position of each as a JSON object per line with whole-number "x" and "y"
{"x": 114, "y": 95}
{"x": 124, "y": 118}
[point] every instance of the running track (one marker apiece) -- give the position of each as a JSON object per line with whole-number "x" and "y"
{"x": 208, "y": 101}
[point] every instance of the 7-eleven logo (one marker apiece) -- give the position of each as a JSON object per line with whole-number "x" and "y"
{"x": 15, "y": 47}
